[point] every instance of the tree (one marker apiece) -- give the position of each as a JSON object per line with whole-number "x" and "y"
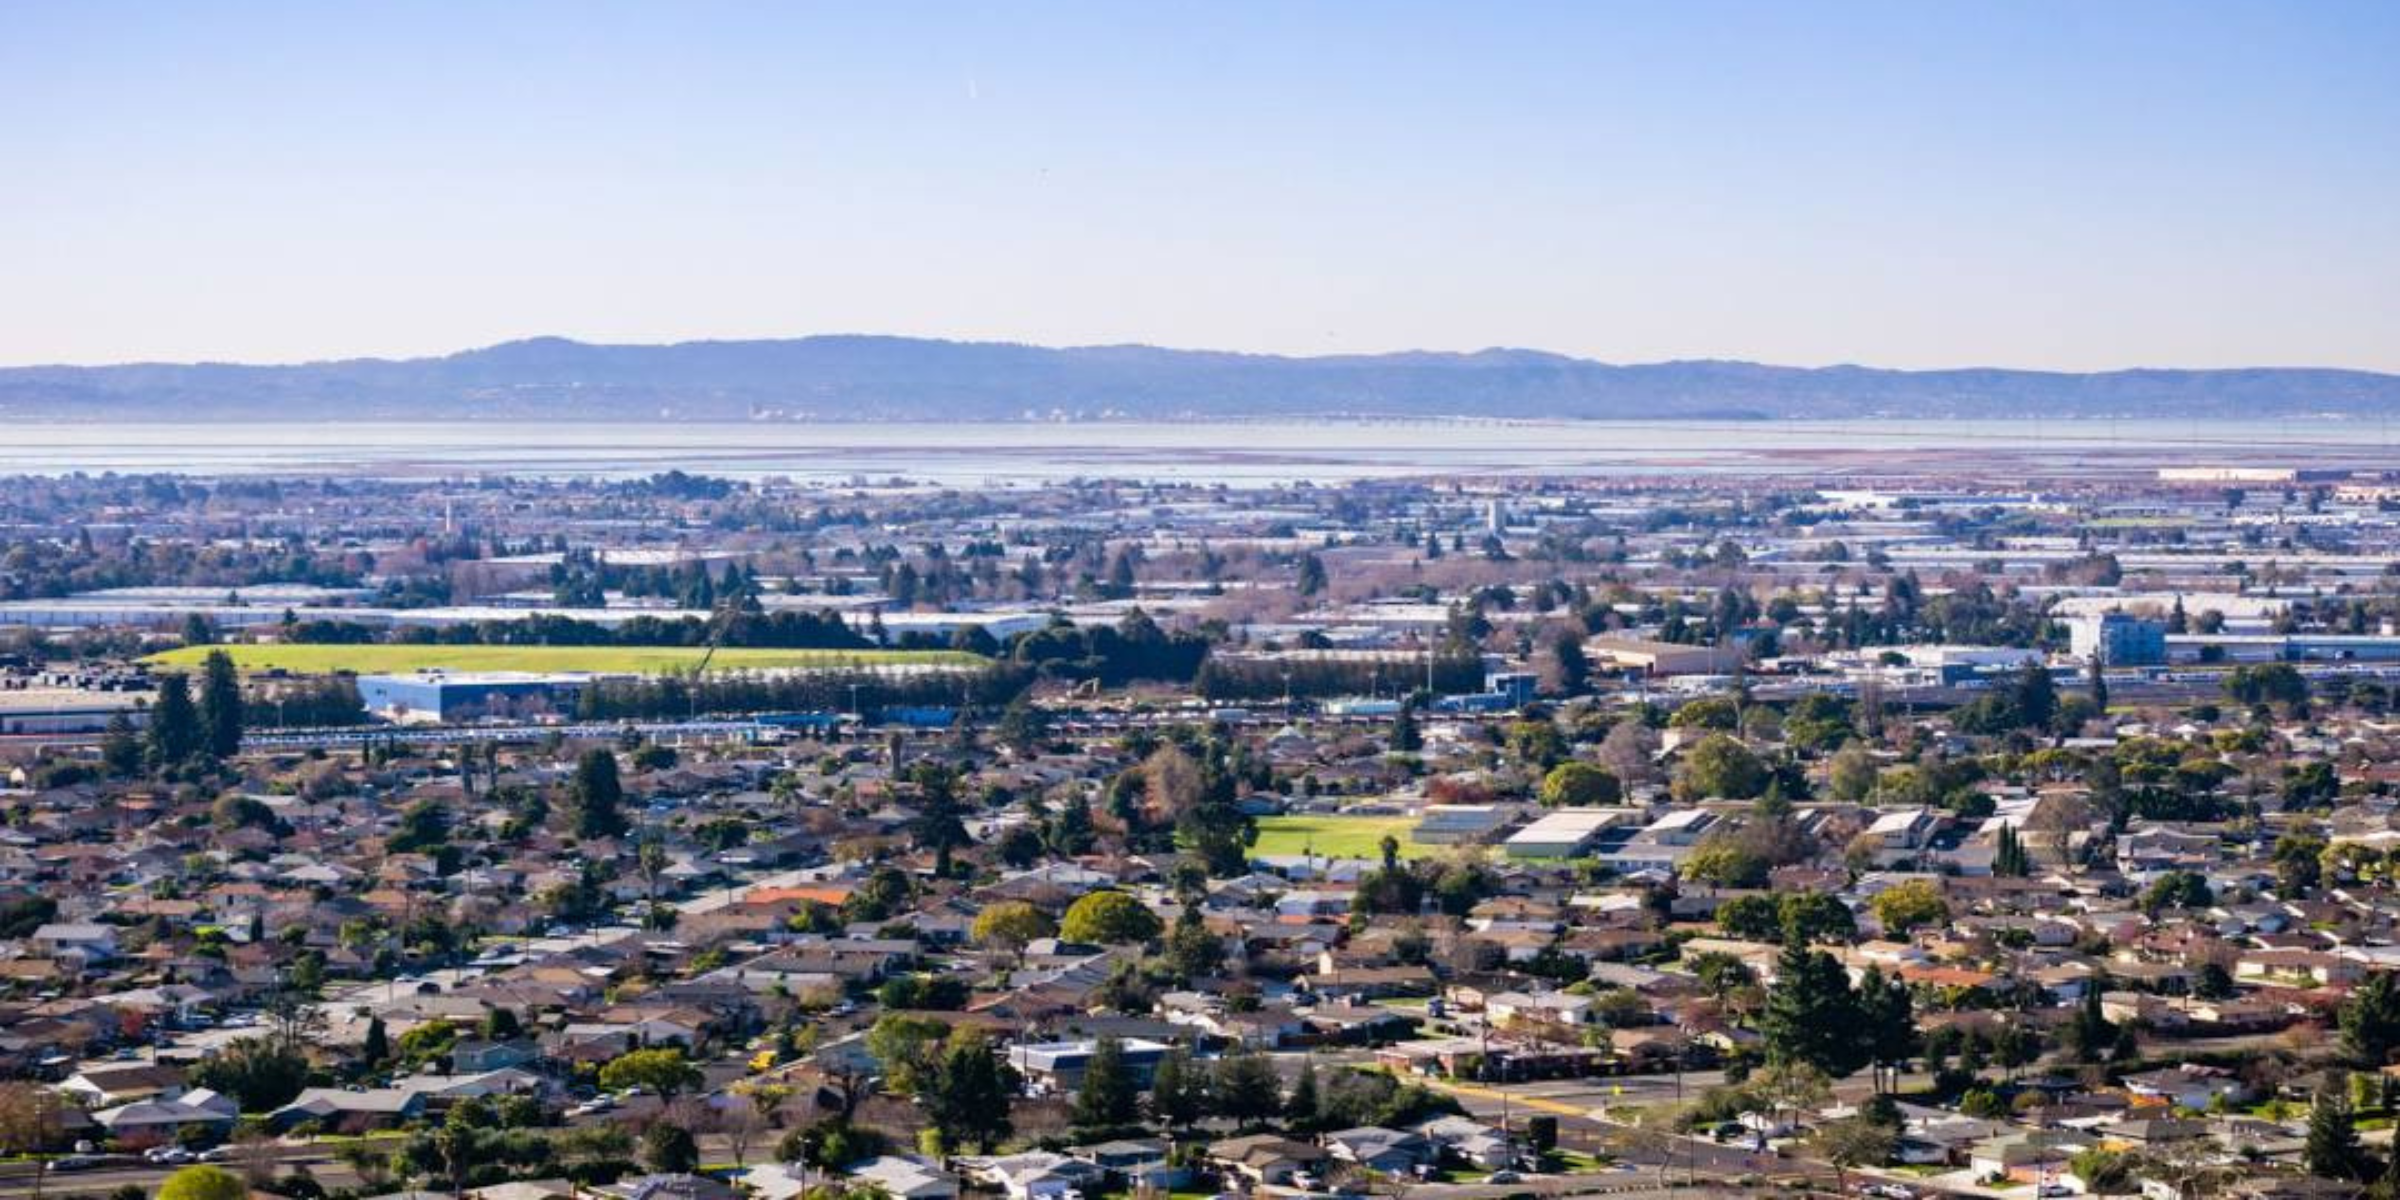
{"x": 121, "y": 749}
{"x": 1302, "y": 1109}
{"x": 2332, "y": 1150}
{"x": 1852, "y": 1142}
{"x": 1909, "y": 905}
{"x": 203, "y": 1182}
{"x": 220, "y": 706}
{"x": 1887, "y": 1026}
{"x": 1108, "y": 918}
{"x": 377, "y": 1046}
{"x": 1311, "y": 577}
{"x": 2034, "y": 695}
{"x": 1807, "y": 917}
{"x": 1406, "y": 738}
{"x": 1192, "y": 949}
{"x": 1010, "y": 924}
{"x": 1579, "y": 785}
{"x": 1178, "y": 1092}
{"x": 1108, "y": 1098}
{"x": 258, "y": 1072}
{"x": 596, "y": 794}
{"x": 2098, "y": 679}
{"x": 1720, "y": 766}
{"x": 2370, "y": 1021}
{"x": 967, "y": 1099}
{"x": 2009, "y": 860}
{"x": 1852, "y": 773}
{"x": 174, "y": 725}
{"x": 1247, "y": 1091}
{"x": 1811, "y": 1016}
{"x": 662, "y": 1069}
{"x": 2090, "y": 1034}
{"x": 1574, "y": 667}
{"x": 670, "y": 1149}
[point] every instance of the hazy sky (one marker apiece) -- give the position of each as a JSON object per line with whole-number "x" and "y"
{"x": 1914, "y": 183}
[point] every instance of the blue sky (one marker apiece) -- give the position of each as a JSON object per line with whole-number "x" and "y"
{"x": 2071, "y": 185}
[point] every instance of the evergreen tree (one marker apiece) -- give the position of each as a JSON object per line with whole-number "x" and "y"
{"x": 1812, "y": 1016}
{"x": 221, "y": 705}
{"x": 2332, "y": 1150}
{"x": 1192, "y": 949}
{"x": 2090, "y": 1034}
{"x": 1178, "y": 1093}
{"x": 2099, "y": 682}
{"x": 121, "y": 749}
{"x": 966, "y": 1100}
{"x": 1887, "y": 1025}
{"x": 2009, "y": 859}
{"x": 377, "y": 1047}
{"x": 597, "y": 793}
{"x": 1303, "y": 1109}
{"x": 174, "y": 725}
{"x": 2370, "y": 1021}
{"x": 2035, "y": 696}
{"x": 1107, "y": 1098}
{"x": 1247, "y": 1091}
{"x": 1406, "y": 738}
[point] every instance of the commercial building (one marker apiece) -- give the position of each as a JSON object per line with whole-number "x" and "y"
{"x": 2118, "y": 640}
{"x": 1660, "y": 658}
{"x": 1566, "y": 833}
{"x": 455, "y": 696}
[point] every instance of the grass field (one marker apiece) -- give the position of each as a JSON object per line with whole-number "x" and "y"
{"x": 381, "y": 659}
{"x": 1334, "y": 837}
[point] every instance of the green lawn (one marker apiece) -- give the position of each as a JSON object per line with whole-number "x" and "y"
{"x": 1335, "y": 837}
{"x": 384, "y": 659}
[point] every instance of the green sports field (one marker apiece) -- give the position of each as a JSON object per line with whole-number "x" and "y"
{"x": 382, "y": 659}
{"x": 1334, "y": 836}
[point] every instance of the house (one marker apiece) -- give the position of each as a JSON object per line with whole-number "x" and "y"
{"x": 343, "y": 1111}
{"x": 1384, "y": 1151}
{"x": 104, "y": 1087}
{"x": 88, "y": 940}
{"x": 1470, "y": 1141}
{"x": 2026, "y": 1155}
{"x": 669, "y": 1187}
{"x": 145, "y": 1122}
{"x": 1264, "y": 1158}
{"x": 1033, "y": 1175}
{"x": 1059, "y": 1066}
{"x": 2188, "y": 1086}
{"x": 1137, "y": 1162}
{"x": 905, "y": 1178}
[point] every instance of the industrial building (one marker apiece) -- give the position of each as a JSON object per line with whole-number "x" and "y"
{"x": 2118, "y": 639}
{"x": 1660, "y": 658}
{"x": 455, "y": 696}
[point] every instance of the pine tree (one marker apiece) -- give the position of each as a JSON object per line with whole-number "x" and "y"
{"x": 597, "y": 794}
{"x": 1405, "y": 737}
{"x": 2332, "y": 1150}
{"x": 1246, "y": 1091}
{"x": 120, "y": 749}
{"x": 378, "y": 1044}
{"x": 1178, "y": 1094}
{"x": 2036, "y": 696}
{"x": 1302, "y": 1109}
{"x": 2099, "y": 685}
{"x": 221, "y": 705}
{"x": 174, "y": 725}
{"x": 1107, "y": 1098}
{"x": 2009, "y": 860}
{"x": 2090, "y": 1035}
{"x": 1812, "y": 1016}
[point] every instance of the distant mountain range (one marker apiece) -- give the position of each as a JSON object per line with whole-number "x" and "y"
{"x": 912, "y": 379}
